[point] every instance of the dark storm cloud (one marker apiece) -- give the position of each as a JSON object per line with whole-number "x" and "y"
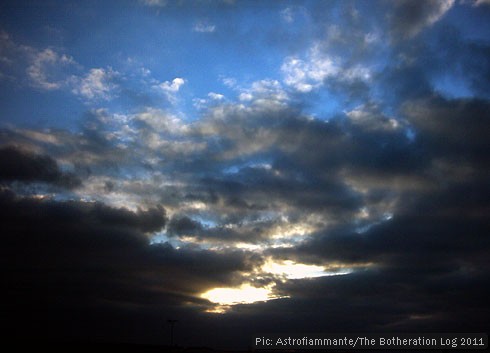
{"x": 427, "y": 266}
{"x": 183, "y": 225}
{"x": 455, "y": 130}
{"x": 70, "y": 264}
{"x": 460, "y": 58}
{"x": 411, "y": 17}
{"x": 450, "y": 152}
{"x": 24, "y": 166}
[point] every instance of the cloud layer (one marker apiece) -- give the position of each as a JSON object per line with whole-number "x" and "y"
{"x": 345, "y": 175}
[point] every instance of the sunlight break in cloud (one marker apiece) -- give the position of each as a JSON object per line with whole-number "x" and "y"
{"x": 292, "y": 270}
{"x": 323, "y": 176}
{"x": 226, "y": 297}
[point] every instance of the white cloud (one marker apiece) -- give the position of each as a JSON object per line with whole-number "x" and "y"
{"x": 229, "y": 82}
{"x": 97, "y": 84}
{"x": 199, "y": 103}
{"x": 268, "y": 93}
{"x": 171, "y": 87}
{"x": 203, "y": 27}
{"x": 202, "y": 103}
{"x": 306, "y": 75}
{"x": 481, "y": 2}
{"x": 440, "y": 10}
{"x": 50, "y": 70}
{"x": 154, "y": 3}
{"x": 162, "y": 121}
{"x": 43, "y": 71}
{"x": 245, "y": 97}
{"x": 215, "y": 96}
{"x": 145, "y": 72}
{"x": 287, "y": 15}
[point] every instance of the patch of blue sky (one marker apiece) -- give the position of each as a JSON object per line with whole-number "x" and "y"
{"x": 471, "y": 21}
{"x": 322, "y": 105}
{"x": 452, "y": 87}
{"x": 206, "y": 222}
{"x": 251, "y": 163}
{"x": 38, "y": 109}
{"x": 410, "y": 134}
{"x": 163, "y": 238}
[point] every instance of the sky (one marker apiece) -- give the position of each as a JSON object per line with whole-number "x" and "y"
{"x": 243, "y": 167}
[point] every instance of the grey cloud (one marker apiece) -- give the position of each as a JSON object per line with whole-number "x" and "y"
{"x": 23, "y": 166}
{"x": 411, "y": 17}
{"x": 184, "y": 225}
{"x": 455, "y": 130}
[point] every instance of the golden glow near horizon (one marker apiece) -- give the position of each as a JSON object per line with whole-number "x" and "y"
{"x": 241, "y": 295}
{"x": 245, "y": 294}
{"x": 293, "y": 270}
{"x": 224, "y": 298}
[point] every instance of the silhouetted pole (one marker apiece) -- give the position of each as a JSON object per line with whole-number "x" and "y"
{"x": 172, "y": 323}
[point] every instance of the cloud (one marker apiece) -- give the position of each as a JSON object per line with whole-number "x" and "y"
{"x": 23, "y": 166}
{"x": 268, "y": 94}
{"x": 44, "y": 61}
{"x": 154, "y": 3}
{"x": 86, "y": 261}
{"x": 203, "y": 27}
{"x": 287, "y": 15}
{"x": 305, "y": 76}
{"x": 406, "y": 216}
{"x": 319, "y": 68}
{"x": 215, "y": 96}
{"x": 98, "y": 84}
{"x": 481, "y": 2}
{"x": 49, "y": 70}
{"x": 45, "y": 69}
{"x": 184, "y": 225}
{"x": 389, "y": 192}
{"x": 410, "y": 18}
{"x": 172, "y": 87}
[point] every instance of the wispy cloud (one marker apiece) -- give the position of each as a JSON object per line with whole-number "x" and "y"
{"x": 204, "y": 27}
{"x": 44, "y": 71}
{"x": 97, "y": 84}
{"x": 154, "y": 3}
{"x": 287, "y": 15}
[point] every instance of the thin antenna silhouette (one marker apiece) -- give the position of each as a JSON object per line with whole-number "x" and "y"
{"x": 172, "y": 323}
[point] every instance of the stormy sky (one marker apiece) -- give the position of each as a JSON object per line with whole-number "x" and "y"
{"x": 243, "y": 167}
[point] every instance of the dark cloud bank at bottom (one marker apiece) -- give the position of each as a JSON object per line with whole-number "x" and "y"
{"x": 78, "y": 271}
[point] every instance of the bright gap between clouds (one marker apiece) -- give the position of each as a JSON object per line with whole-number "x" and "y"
{"x": 293, "y": 270}
{"x": 247, "y": 294}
